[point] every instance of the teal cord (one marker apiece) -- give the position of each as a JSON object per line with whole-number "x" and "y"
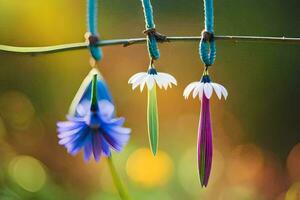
{"x": 92, "y": 26}
{"x": 207, "y": 47}
{"x": 151, "y": 40}
{"x": 209, "y": 15}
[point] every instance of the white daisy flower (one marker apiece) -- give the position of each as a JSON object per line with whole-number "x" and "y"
{"x": 206, "y": 87}
{"x": 150, "y": 78}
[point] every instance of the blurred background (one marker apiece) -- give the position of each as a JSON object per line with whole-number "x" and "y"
{"x": 256, "y": 131}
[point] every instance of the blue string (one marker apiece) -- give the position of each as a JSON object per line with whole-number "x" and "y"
{"x": 207, "y": 49}
{"x": 209, "y": 15}
{"x": 149, "y": 20}
{"x": 92, "y": 26}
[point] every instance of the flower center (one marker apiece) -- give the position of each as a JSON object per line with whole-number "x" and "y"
{"x": 205, "y": 79}
{"x": 152, "y": 71}
{"x": 94, "y": 121}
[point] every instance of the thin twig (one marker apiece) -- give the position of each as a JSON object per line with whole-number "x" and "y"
{"x": 132, "y": 41}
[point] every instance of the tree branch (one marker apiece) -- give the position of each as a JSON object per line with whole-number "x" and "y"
{"x": 132, "y": 41}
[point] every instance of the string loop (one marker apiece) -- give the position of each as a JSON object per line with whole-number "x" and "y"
{"x": 152, "y": 36}
{"x": 92, "y": 26}
{"x": 207, "y": 46}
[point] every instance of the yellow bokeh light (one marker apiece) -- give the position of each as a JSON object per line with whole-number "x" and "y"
{"x": 148, "y": 170}
{"x": 28, "y": 173}
{"x": 293, "y": 162}
{"x": 294, "y": 192}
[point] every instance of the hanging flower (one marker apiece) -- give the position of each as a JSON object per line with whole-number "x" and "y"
{"x": 94, "y": 129}
{"x": 204, "y": 90}
{"x": 151, "y": 79}
{"x": 84, "y": 92}
{"x": 205, "y": 86}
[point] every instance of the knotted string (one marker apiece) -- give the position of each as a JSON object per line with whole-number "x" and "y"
{"x": 207, "y": 47}
{"x": 92, "y": 26}
{"x": 152, "y": 36}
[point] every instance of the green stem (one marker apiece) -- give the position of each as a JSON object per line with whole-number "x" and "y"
{"x": 94, "y": 104}
{"x": 152, "y": 120}
{"x": 117, "y": 180}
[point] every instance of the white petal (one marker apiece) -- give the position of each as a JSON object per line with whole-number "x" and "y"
{"x": 208, "y": 90}
{"x": 168, "y": 77}
{"x": 201, "y": 90}
{"x": 138, "y": 80}
{"x": 217, "y": 89}
{"x": 150, "y": 82}
{"x": 197, "y": 89}
{"x": 143, "y": 82}
{"x": 165, "y": 84}
{"x": 135, "y": 76}
{"x": 159, "y": 80}
{"x": 224, "y": 91}
{"x": 189, "y": 88}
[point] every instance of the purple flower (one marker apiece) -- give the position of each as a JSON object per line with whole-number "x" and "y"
{"x": 204, "y": 90}
{"x": 94, "y": 129}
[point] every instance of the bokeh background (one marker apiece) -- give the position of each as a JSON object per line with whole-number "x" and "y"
{"x": 256, "y": 131}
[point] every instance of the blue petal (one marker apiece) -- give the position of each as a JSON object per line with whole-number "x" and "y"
{"x": 71, "y": 138}
{"x": 114, "y": 121}
{"x": 64, "y": 134}
{"x": 83, "y": 108}
{"x": 113, "y": 142}
{"x": 88, "y": 148}
{"x": 103, "y": 92}
{"x": 106, "y": 109}
{"x": 105, "y": 146}
{"x": 79, "y": 143}
{"x": 84, "y": 92}
{"x": 67, "y": 125}
{"x": 97, "y": 148}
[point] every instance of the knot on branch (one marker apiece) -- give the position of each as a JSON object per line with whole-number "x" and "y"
{"x": 207, "y": 36}
{"x": 92, "y": 40}
{"x": 159, "y": 37}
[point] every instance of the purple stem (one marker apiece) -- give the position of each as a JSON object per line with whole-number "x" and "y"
{"x": 205, "y": 146}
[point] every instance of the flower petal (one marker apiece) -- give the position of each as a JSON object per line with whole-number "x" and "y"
{"x": 159, "y": 80}
{"x": 88, "y": 148}
{"x": 189, "y": 88}
{"x": 197, "y": 89}
{"x": 168, "y": 77}
{"x": 217, "y": 89}
{"x": 133, "y": 78}
{"x": 106, "y": 109}
{"x": 97, "y": 147}
{"x": 105, "y": 146}
{"x": 208, "y": 90}
{"x": 69, "y": 133}
{"x": 143, "y": 82}
{"x": 201, "y": 91}
{"x": 139, "y": 80}
{"x": 224, "y": 91}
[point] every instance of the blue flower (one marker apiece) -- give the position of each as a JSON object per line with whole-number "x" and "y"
{"x": 93, "y": 131}
{"x": 94, "y": 128}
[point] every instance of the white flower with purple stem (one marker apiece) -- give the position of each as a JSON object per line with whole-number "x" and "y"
{"x": 204, "y": 90}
